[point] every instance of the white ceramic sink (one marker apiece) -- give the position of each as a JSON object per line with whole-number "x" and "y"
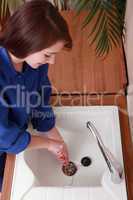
{"x": 38, "y": 171}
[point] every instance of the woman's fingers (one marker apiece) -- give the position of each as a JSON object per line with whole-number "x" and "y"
{"x": 59, "y": 149}
{"x": 63, "y": 157}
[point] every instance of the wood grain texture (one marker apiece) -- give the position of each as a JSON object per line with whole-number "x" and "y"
{"x": 80, "y": 70}
{"x": 8, "y": 176}
{"x": 85, "y": 100}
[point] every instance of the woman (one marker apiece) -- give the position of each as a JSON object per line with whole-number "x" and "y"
{"x": 32, "y": 37}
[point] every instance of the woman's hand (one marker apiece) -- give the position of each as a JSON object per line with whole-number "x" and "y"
{"x": 59, "y": 149}
{"x": 57, "y": 145}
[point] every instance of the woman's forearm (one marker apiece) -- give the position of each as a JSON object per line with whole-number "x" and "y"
{"x": 45, "y": 138}
{"x": 55, "y": 145}
{"x": 38, "y": 142}
{"x": 53, "y": 134}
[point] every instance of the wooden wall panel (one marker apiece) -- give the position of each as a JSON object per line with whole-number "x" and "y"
{"x": 80, "y": 70}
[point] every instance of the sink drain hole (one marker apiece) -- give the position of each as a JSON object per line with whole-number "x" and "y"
{"x": 70, "y": 169}
{"x": 86, "y": 161}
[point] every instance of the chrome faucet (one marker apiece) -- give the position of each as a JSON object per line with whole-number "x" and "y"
{"x": 114, "y": 166}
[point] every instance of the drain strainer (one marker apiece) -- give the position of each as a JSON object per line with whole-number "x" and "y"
{"x": 70, "y": 169}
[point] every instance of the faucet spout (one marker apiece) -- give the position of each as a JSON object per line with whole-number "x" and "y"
{"x": 114, "y": 166}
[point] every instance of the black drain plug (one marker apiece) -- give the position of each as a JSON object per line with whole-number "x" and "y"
{"x": 86, "y": 161}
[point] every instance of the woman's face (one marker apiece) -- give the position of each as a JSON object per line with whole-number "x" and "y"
{"x": 44, "y": 56}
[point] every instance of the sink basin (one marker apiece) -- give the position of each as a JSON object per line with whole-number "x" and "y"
{"x": 40, "y": 169}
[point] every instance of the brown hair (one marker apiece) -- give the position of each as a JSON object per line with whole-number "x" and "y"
{"x": 36, "y": 25}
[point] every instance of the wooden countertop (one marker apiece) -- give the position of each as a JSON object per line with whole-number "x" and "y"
{"x": 85, "y": 100}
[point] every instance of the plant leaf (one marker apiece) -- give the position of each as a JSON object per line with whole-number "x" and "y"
{"x": 4, "y": 6}
{"x": 80, "y": 5}
{"x": 98, "y": 25}
{"x": 108, "y": 28}
{"x": 14, "y": 4}
{"x": 103, "y": 44}
{"x": 91, "y": 14}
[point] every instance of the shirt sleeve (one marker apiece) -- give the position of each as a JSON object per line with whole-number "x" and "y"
{"x": 43, "y": 118}
{"x": 12, "y": 138}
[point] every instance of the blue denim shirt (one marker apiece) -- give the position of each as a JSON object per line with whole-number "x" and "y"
{"x": 24, "y": 97}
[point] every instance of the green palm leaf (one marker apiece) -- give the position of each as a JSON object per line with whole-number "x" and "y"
{"x": 61, "y": 4}
{"x": 80, "y": 5}
{"x": 9, "y": 4}
{"x": 3, "y": 8}
{"x": 108, "y": 28}
{"x": 91, "y": 14}
{"x": 14, "y": 4}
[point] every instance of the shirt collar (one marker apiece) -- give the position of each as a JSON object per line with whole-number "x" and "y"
{"x": 7, "y": 63}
